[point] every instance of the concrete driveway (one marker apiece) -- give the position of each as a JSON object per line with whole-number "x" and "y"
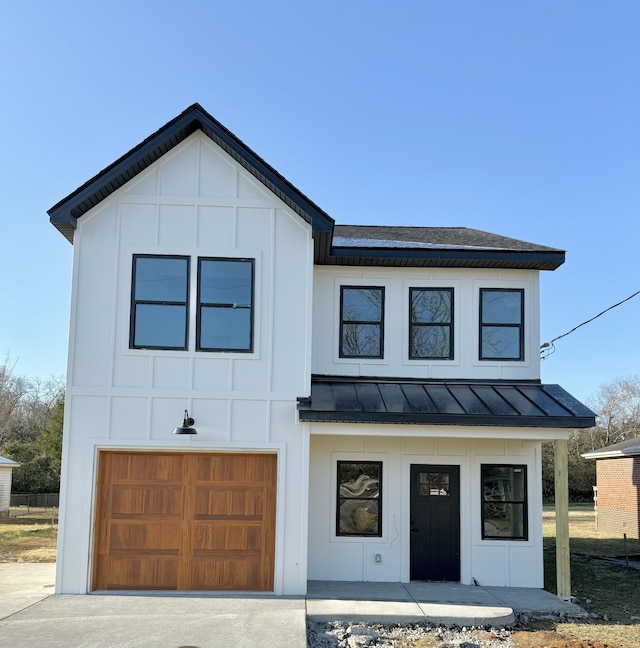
{"x": 29, "y": 617}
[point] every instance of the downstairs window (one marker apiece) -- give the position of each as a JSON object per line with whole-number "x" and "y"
{"x": 504, "y": 502}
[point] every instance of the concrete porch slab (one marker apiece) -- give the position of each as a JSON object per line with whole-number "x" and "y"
{"x": 438, "y": 603}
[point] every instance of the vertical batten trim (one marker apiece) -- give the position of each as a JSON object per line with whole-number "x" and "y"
{"x": 229, "y": 421}
{"x": 269, "y": 301}
{"x": 114, "y": 321}
{"x": 150, "y": 398}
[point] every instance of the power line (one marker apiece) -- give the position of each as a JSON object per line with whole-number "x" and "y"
{"x": 548, "y": 347}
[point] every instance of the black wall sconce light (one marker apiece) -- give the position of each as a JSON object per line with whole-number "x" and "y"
{"x": 186, "y": 427}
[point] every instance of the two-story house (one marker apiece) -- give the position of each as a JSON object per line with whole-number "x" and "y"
{"x": 257, "y": 397}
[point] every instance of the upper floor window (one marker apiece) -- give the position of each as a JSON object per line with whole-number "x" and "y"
{"x": 225, "y": 305}
{"x": 504, "y": 502}
{"x": 361, "y": 321}
{"x": 431, "y": 323}
{"x": 501, "y": 324}
{"x": 159, "y": 302}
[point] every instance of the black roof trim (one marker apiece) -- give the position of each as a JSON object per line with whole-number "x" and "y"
{"x": 342, "y": 399}
{"x": 446, "y": 258}
{"x": 65, "y": 213}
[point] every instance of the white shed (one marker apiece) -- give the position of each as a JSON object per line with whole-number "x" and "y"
{"x": 6, "y": 470}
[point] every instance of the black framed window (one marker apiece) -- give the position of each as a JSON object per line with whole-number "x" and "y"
{"x": 225, "y": 305}
{"x": 430, "y": 323}
{"x": 359, "y": 507}
{"x": 361, "y": 321}
{"x": 504, "y": 502}
{"x": 501, "y": 324}
{"x": 159, "y": 302}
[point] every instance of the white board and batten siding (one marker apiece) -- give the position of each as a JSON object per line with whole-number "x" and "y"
{"x": 514, "y": 563}
{"x": 194, "y": 201}
{"x": 466, "y": 284}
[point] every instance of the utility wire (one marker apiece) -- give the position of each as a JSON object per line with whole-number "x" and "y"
{"x": 548, "y": 347}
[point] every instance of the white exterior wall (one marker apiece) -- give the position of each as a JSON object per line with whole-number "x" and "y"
{"x": 194, "y": 201}
{"x": 5, "y": 488}
{"x": 513, "y": 563}
{"x": 397, "y": 281}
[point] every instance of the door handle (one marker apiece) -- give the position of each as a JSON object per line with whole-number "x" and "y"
{"x": 414, "y": 530}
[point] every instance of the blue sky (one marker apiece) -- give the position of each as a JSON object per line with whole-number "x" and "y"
{"x": 520, "y": 118}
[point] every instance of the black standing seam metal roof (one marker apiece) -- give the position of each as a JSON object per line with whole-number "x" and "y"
{"x": 398, "y": 401}
{"x": 340, "y": 245}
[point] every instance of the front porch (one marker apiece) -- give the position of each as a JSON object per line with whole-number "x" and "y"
{"x": 437, "y": 603}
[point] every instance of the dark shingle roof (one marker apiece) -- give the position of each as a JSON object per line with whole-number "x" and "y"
{"x": 437, "y": 246}
{"x": 339, "y": 245}
{"x": 398, "y": 401}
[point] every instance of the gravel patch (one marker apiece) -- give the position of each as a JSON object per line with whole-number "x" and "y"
{"x": 337, "y": 634}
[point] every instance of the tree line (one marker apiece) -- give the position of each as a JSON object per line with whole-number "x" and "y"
{"x": 617, "y": 405}
{"x": 32, "y": 413}
{"x": 31, "y": 417}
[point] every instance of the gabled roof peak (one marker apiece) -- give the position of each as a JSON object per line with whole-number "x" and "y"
{"x": 65, "y": 213}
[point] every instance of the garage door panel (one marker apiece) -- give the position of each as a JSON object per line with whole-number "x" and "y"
{"x": 146, "y": 500}
{"x": 233, "y": 468}
{"x": 227, "y": 573}
{"x": 145, "y": 537}
{"x": 186, "y": 521}
{"x": 232, "y": 501}
{"x": 156, "y": 573}
{"x": 227, "y": 538}
{"x": 147, "y": 466}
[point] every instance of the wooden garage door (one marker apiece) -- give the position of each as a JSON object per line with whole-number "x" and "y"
{"x": 185, "y": 521}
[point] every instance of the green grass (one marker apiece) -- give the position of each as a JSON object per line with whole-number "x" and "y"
{"x": 609, "y": 591}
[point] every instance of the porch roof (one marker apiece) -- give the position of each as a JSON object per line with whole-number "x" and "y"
{"x": 430, "y": 402}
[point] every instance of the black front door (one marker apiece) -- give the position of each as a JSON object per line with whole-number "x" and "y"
{"x": 435, "y": 523}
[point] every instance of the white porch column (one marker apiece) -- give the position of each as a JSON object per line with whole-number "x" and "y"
{"x": 563, "y": 563}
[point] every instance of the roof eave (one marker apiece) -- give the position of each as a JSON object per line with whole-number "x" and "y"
{"x": 536, "y": 260}
{"x": 398, "y": 418}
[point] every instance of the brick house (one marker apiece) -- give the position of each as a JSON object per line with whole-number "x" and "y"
{"x": 618, "y": 487}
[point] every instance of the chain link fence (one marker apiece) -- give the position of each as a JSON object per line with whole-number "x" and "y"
{"x": 30, "y": 503}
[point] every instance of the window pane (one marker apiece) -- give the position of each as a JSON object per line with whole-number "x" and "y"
{"x": 430, "y": 306}
{"x": 501, "y": 342}
{"x": 502, "y": 520}
{"x": 359, "y": 498}
{"x": 362, "y": 304}
{"x": 503, "y": 483}
{"x": 225, "y": 282}
{"x": 225, "y": 328}
{"x": 430, "y": 342}
{"x": 361, "y": 340}
{"x": 358, "y": 517}
{"x": 433, "y": 484}
{"x": 160, "y": 326}
{"x": 160, "y": 279}
{"x": 504, "y": 495}
{"x": 501, "y": 306}
{"x": 359, "y": 479}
